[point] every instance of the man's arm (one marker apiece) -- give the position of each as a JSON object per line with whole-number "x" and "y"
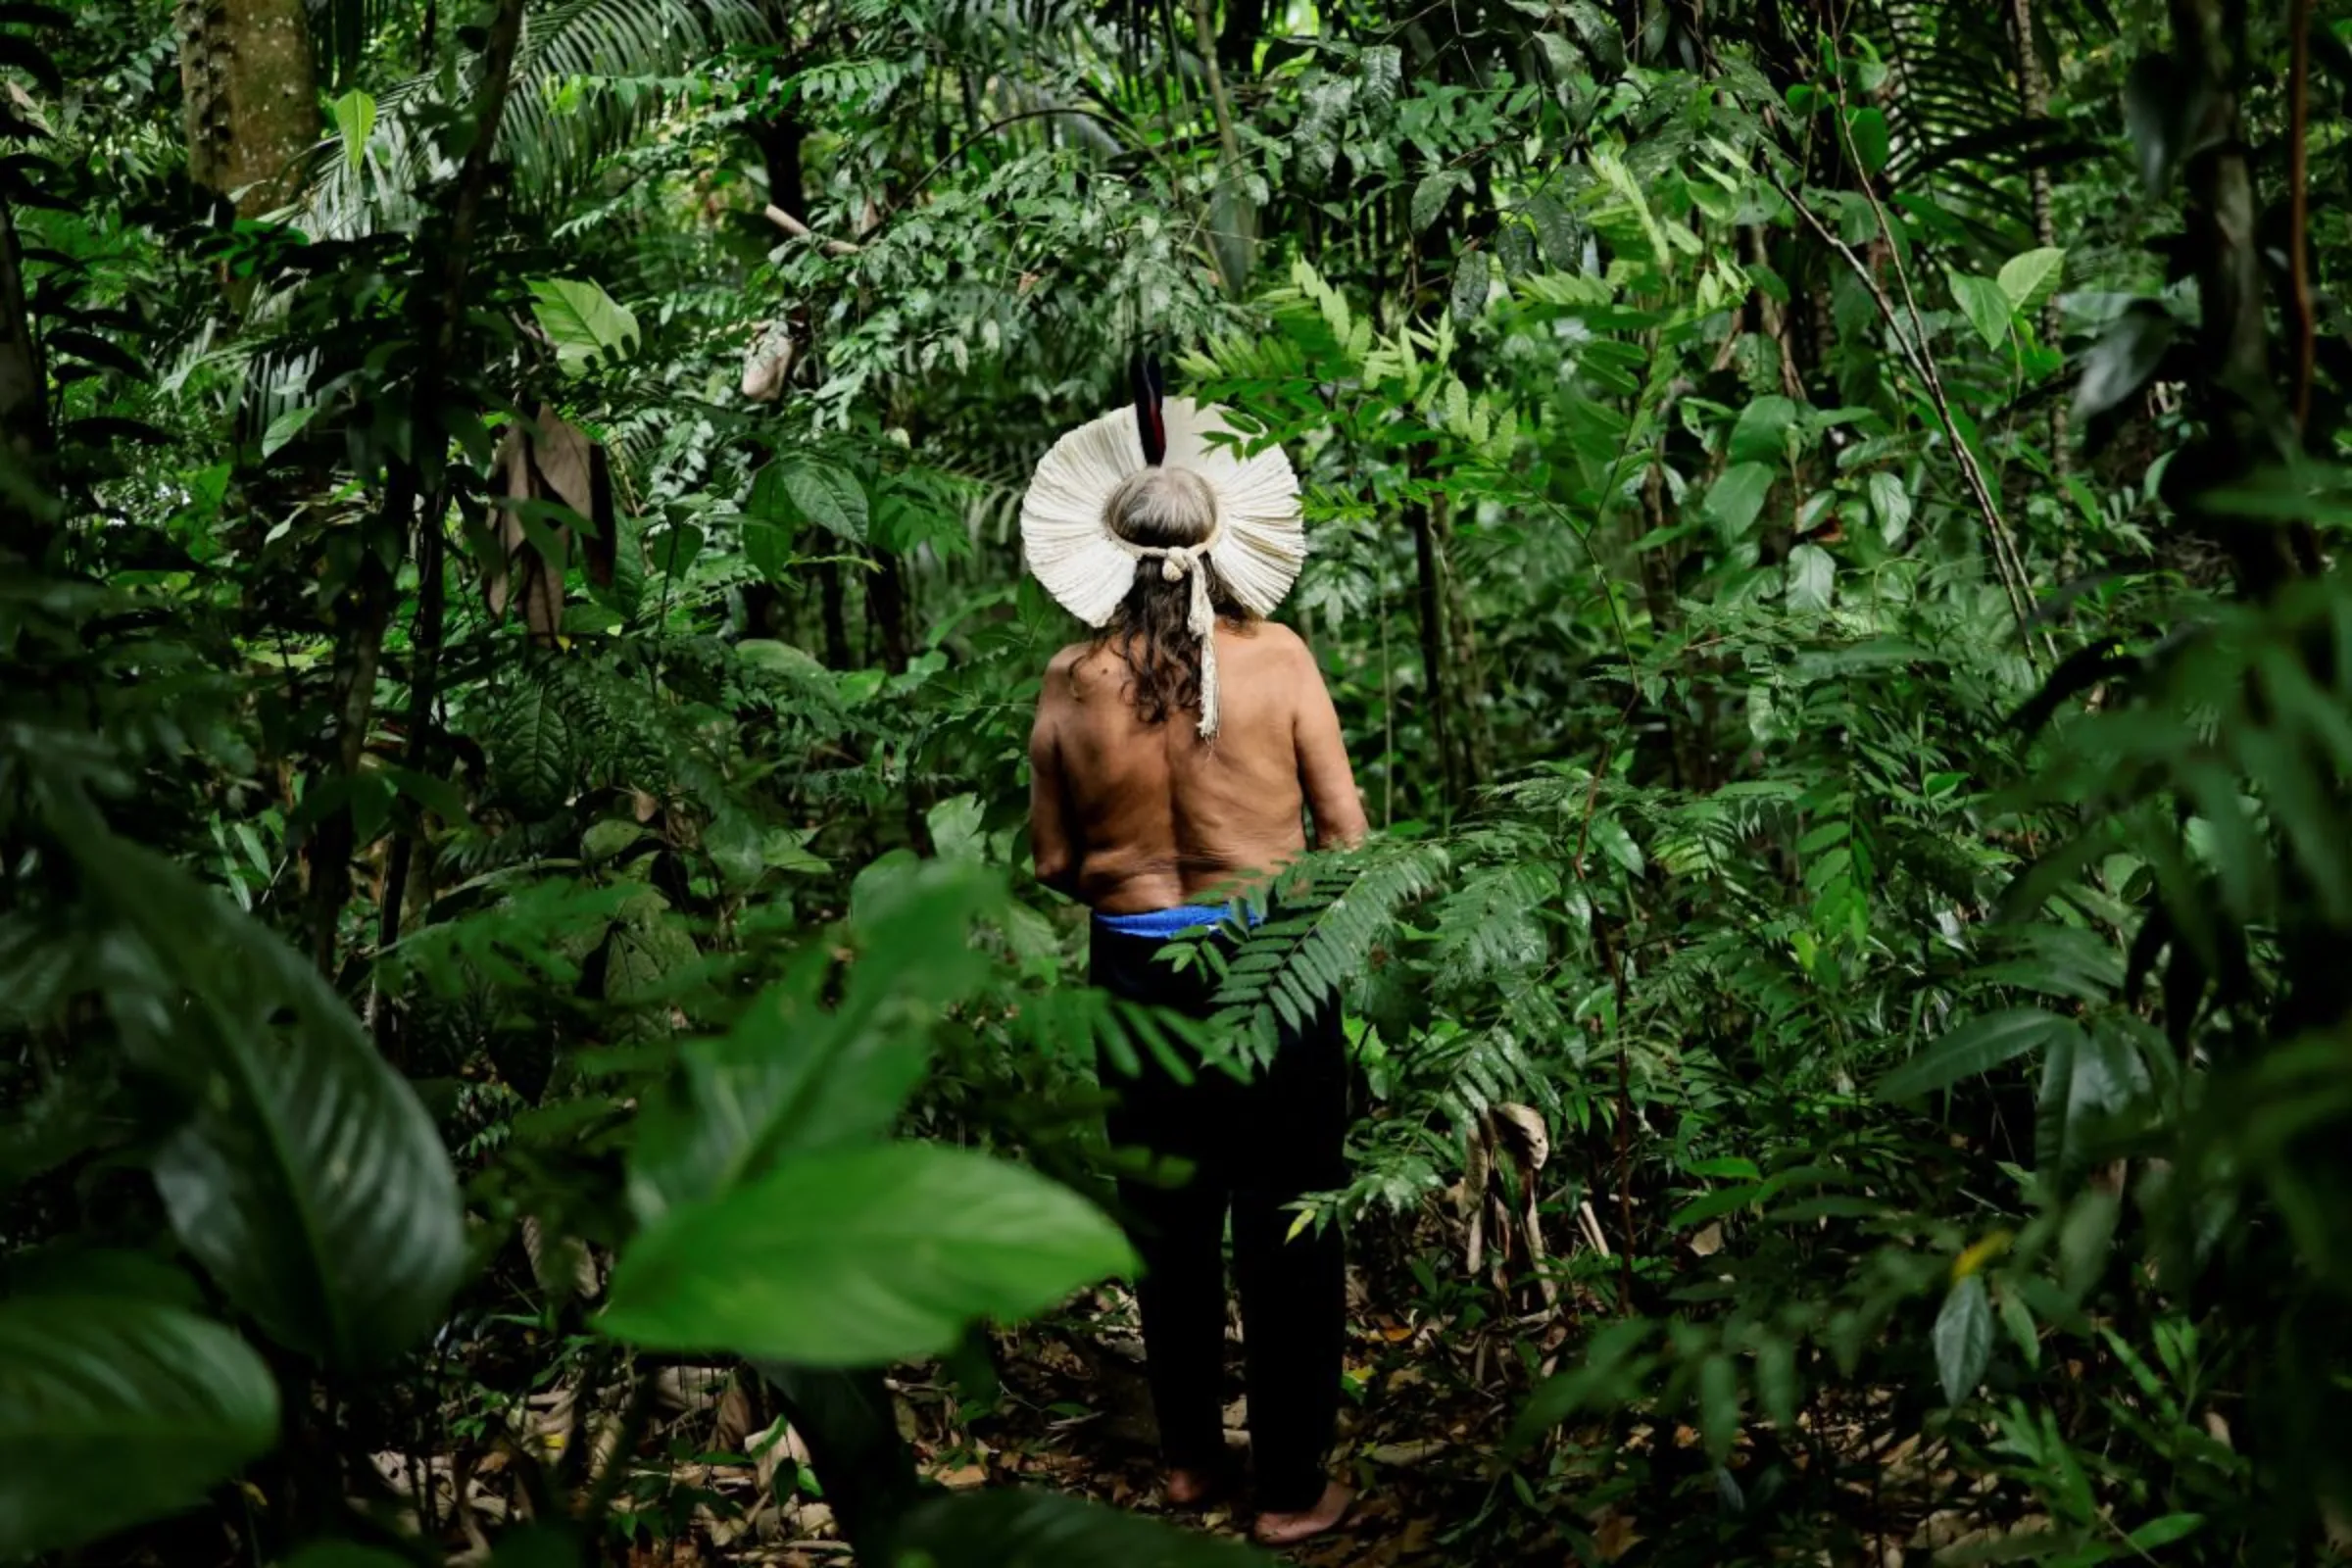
{"x": 1324, "y": 776}
{"x": 1050, "y": 843}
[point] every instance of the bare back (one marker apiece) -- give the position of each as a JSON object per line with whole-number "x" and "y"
{"x": 1128, "y": 816}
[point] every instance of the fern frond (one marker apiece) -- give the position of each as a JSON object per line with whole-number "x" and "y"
{"x": 1332, "y": 912}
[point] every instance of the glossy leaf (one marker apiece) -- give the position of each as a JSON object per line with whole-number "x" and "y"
{"x": 1812, "y": 578}
{"x": 115, "y": 1411}
{"x": 859, "y": 1257}
{"x": 2123, "y": 359}
{"x": 828, "y": 496}
{"x": 792, "y": 1076}
{"x": 1761, "y": 433}
{"x": 1964, "y": 1339}
{"x": 1976, "y": 1046}
{"x": 309, "y": 1180}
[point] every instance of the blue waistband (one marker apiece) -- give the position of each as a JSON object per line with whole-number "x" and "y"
{"x": 1168, "y": 922}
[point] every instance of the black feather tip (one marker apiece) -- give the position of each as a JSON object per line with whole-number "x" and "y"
{"x": 1151, "y": 426}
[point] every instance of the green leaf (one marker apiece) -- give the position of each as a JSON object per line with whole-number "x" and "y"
{"x": 1872, "y": 143}
{"x": 582, "y": 321}
{"x": 2164, "y": 1531}
{"x": 1976, "y": 1046}
{"x": 355, "y": 122}
{"x": 1719, "y": 1406}
{"x": 1812, "y": 578}
{"x": 1023, "y": 1529}
{"x": 1431, "y": 193}
{"x": 1984, "y": 303}
{"x": 2029, "y": 280}
{"x": 1964, "y": 1339}
{"x": 285, "y": 427}
{"x": 792, "y": 1076}
{"x": 2123, "y": 357}
{"x": 860, "y": 1258}
{"x": 1737, "y": 499}
{"x": 1761, "y": 434}
{"x": 828, "y": 496}
{"x": 308, "y": 1180}
{"x": 1893, "y": 505}
{"x": 117, "y": 1411}
{"x": 2087, "y": 1079}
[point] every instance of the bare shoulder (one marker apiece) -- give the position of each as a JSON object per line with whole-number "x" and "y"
{"x": 1280, "y": 644}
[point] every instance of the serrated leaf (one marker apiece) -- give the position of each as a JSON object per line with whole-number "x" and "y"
{"x": 1964, "y": 1339}
{"x": 117, "y": 1411}
{"x": 828, "y": 496}
{"x": 2030, "y": 277}
{"x": 859, "y": 1257}
{"x": 582, "y": 321}
{"x": 1984, "y": 303}
{"x": 1976, "y": 1046}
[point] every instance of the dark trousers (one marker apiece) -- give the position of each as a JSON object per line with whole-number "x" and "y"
{"x": 1255, "y": 1148}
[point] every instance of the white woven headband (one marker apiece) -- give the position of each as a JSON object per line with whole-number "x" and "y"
{"x": 1255, "y": 549}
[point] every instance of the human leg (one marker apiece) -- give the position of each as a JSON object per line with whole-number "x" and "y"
{"x": 1292, "y": 1287}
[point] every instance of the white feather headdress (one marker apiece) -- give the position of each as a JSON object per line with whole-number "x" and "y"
{"x": 1255, "y": 548}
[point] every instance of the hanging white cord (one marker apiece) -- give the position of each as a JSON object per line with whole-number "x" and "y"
{"x": 1176, "y": 562}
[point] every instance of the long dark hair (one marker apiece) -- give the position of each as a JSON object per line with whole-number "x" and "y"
{"x": 1163, "y": 509}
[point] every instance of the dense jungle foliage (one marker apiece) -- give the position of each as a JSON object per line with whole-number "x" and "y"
{"x": 521, "y": 989}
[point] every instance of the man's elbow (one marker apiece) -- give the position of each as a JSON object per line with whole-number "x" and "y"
{"x": 1058, "y": 872}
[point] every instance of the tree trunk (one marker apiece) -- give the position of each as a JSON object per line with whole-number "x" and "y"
{"x": 252, "y": 97}
{"x": 1429, "y": 596}
{"x": 2034, "y": 98}
{"x": 25, "y": 522}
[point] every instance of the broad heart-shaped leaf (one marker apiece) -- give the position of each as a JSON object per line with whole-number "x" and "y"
{"x": 115, "y": 1411}
{"x": 1987, "y": 306}
{"x": 2030, "y": 277}
{"x": 1976, "y": 1046}
{"x": 308, "y": 1180}
{"x": 1025, "y": 1529}
{"x": 792, "y": 1076}
{"x": 828, "y": 496}
{"x": 582, "y": 320}
{"x": 859, "y": 1257}
{"x": 2121, "y": 362}
{"x": 1737, "y": 499}
{"x": 1964, "y": 1339}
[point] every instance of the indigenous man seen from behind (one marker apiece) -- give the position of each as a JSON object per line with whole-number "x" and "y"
{"x": 1175, "y": 754}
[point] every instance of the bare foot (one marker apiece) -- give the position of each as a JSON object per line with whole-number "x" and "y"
{"x": 1285, "y": 1529}
{"x": 1188, "y": 1487}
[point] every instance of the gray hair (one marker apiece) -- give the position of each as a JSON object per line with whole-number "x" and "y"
{"x": 1162, "y": 507}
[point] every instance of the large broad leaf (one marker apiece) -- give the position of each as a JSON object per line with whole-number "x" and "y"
{"x": 2087, "y": 1079}
{"x": 117, "y": 1411}
{"x": 1761, "y": 434}
{"x": 1986, "y": 306}
{"x": 794, "y": 1077}
{"x": 1048, "y": 1529}
{"x": 2122, "y": 360}
{"x": 2029, "y": 280}
{"x": 308, "y": 1180}
{"x": 1737, "y": 499}
{"x": 859, "y": 1257}
{"x": 1964, "y": 1339}
{"x": 582, "y": 321}
{"x": 1812, "y": 577}
{"x": 1976, "y": 1046}
{"x": 824, "y": 493}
